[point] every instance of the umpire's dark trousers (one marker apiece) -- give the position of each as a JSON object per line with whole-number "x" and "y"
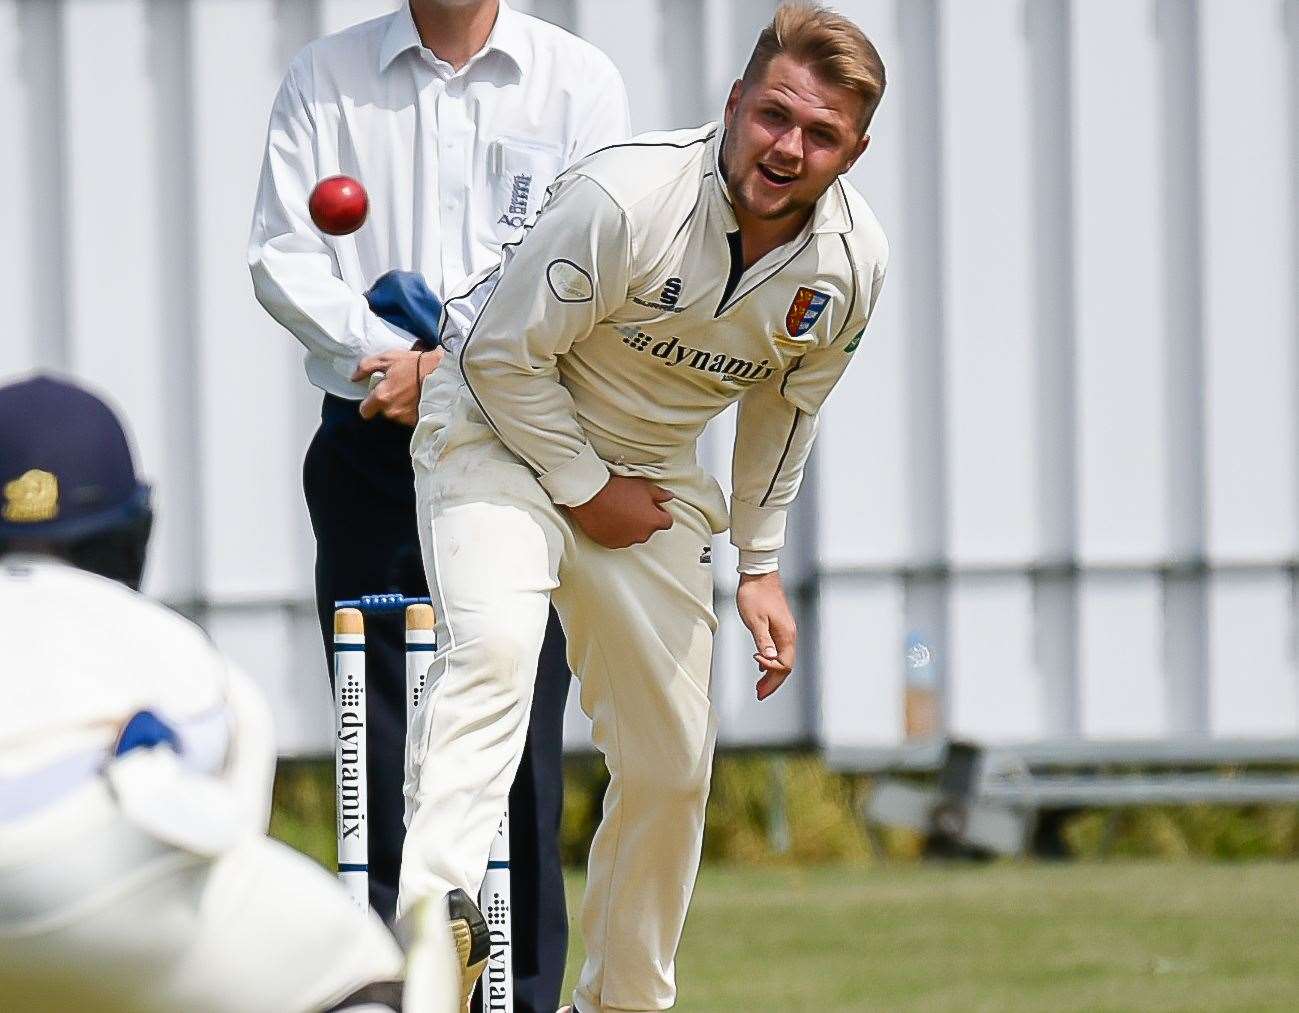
{"x": 361, "y": 494}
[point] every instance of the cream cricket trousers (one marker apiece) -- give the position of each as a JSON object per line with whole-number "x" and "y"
{"x": 639, "y": 625}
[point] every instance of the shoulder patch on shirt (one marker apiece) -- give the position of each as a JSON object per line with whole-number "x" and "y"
{"x": 852, "y": 345}
{"x": 568, "y": 282}
{"x": 805, "y": 310}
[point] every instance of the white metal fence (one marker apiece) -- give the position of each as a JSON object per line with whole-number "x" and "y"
{"x": 1059, "y": 488}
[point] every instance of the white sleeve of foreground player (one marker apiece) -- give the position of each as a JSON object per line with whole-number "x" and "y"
{"x": 250, "y": 762}
{"x": 569, "y": 272}
{"x": 775, "y": 429}
{"x": 283, "y": 925}
{"x": 97, "y": 903}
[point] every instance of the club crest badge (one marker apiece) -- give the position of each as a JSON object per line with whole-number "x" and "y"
{"x": 32, "y": 497}
{"x": 805, "y": 311}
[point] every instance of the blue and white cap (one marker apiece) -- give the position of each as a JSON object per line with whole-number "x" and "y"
{"x": 66, "y": 470}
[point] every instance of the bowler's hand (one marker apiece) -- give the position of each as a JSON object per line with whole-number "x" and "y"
{"x": 625, "y": 512}
{"x": 764, "y": 610}
{"x": 396, "y": 395}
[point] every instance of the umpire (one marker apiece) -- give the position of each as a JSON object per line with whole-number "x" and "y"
{"x": 456, "y": 115}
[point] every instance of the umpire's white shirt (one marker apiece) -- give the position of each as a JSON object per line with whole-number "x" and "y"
{"x": 454, "y": 163}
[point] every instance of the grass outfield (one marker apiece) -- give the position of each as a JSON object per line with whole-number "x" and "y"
{"x": 1116, "y": 935}
{"x": 1112, "y": 936}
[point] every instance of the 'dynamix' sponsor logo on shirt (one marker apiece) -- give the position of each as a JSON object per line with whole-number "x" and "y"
{"x": 674, "y": 354}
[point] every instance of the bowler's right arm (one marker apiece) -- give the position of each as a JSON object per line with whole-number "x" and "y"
{"x": 570, "y": 271}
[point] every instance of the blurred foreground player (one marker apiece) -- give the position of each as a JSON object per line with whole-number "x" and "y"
{"x": 555, "y": 462}
{"x": 135, "y": 773}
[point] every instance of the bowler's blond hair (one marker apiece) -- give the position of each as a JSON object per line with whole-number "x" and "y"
{"x": 833, "y": 46}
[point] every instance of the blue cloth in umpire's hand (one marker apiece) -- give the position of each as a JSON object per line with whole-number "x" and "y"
{"x": 404, "y": 299}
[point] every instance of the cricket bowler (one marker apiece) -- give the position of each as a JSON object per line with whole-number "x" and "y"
{"x": 555, "y": 461}
{"x": 456, "y": 115}
{"x": 135, "y": 774}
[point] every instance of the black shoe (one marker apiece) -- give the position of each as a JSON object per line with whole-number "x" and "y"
{"x": 473, "y": 944}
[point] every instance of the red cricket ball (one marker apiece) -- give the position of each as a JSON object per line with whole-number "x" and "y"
{"x": 338, "y": 205}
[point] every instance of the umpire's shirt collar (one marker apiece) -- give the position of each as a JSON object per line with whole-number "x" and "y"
{"x": 508, "y": 39}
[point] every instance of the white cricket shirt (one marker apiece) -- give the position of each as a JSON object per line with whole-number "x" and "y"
{"x": 622, "y": 323}
{"x": 455, "y": 162}
{"x": 82, "y": 654}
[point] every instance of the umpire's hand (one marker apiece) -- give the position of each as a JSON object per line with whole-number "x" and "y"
{"x": 400, "y": 375}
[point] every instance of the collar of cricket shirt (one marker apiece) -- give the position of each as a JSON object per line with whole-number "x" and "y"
{"x": 832, "y": 212}
{"x": 509, "y": 37}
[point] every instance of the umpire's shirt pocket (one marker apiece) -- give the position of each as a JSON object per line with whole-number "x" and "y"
{"x": 519, "y": 169}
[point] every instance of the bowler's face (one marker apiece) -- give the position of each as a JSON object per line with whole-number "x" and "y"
{"x": 788, "y": 137}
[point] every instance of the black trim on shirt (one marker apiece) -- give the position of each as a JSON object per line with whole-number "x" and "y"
{"x": 852, "y": 301}
{"x": 852, "y": 224}
{"x": 723, "y": 308}
{"x": 784, "y": 380}
{"x": 699, "y": 199}
{"x": 789, "y": 442}
{"x": 496, "y": 273}
{"x": 736, "y": 245}
{"x": 654, "y": 144}
{"x": 499, "y": 274}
